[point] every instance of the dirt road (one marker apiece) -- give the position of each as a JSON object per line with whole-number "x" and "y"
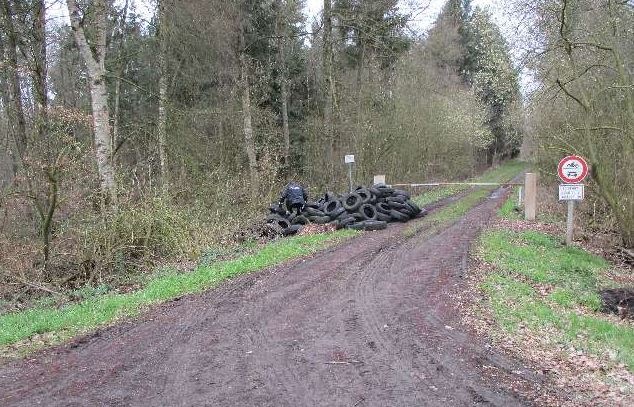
{"x": 368, "y": 323}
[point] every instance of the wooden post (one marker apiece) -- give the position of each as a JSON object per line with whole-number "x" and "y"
{"x": 570, "y": 222}
{"x": 530, "y": 196}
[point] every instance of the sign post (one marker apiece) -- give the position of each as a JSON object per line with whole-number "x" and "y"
{"x": 572, "y": 170}
{"x": 349, "y": 159}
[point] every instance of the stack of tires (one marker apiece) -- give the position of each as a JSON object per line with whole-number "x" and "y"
{"x": 363, "y": 209}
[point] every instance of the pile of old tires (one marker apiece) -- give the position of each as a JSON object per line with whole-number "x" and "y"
{"x": 369, "y": 208}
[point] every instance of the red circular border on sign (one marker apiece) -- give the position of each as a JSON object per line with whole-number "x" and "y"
{"x": 584, "y": 169}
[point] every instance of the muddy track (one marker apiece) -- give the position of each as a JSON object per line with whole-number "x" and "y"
{"x": 369, "y": 323}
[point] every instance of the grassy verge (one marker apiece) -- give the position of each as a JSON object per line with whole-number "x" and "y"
{"x": 510, "y": 210}
{"x": 73, "y": 319}
{"x": 551, "y": 290}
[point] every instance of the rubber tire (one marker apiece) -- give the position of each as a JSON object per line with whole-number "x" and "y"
{"x": 312, "y": 211}
{"x": 396, "y": 198}
{"x": 337, "y": 212}
{"x": 397, "y": 205}
{"x": 385, "y": 191}
{"x": 273, "y": 218}
{"x": 320, "y": 220}
{"x": 343, "y": 215}
{"x": 399, "y": 217}
{"x": 383, "y": 216}
{"x": 401, "y": 192}
{"x": 300, "y": 220}
{"x": 356, "y": 226}
{"x": 368, "y": 212}
{"x": 374, "y": 191}
{"x": 331, "y": 207}
{"x": 358, "y": 217}
{"x": 342, "y": 223}
{"x": 365, "y": 195}
{"x": 291, "y": 230}
{"x": 283, "y": 223}
{"x": 415, "y": 208}
{"x": 383, "y": 207}
{"x": 351, "y": 201}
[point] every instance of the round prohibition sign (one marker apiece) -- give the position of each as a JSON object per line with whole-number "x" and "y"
{"x": 572, "y": 169}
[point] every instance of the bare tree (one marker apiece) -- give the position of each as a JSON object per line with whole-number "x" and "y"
{"x": 93, "y": 54}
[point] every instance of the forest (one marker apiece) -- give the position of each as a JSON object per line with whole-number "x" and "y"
{"x": 130, "y": 142}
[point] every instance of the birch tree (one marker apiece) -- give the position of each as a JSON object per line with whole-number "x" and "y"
{"x": 93, "y": 54}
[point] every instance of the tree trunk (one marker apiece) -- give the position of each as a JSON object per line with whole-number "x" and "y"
{"x": 15, "y": 109}
{"x": 162, "y": 112}
{"x": 328, "y": 84}
{"x": 248, "y": 128}
{"x": 39, "y": 70}
{"x": 95, "y": 63}
{"x": 281, "y": 25}
{"x": 121, "y": 71}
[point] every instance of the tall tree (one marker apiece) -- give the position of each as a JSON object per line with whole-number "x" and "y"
{"x": 15, "y": 108}
{"x": 489, "y": 70}
{"x": 93, "y": 54}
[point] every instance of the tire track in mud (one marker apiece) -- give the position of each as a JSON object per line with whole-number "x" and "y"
{"x": 361, "y": 324}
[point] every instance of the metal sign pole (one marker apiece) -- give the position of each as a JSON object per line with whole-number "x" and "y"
{"x": 349, "y": 159}
{"x": 570, "y": 222}
{"x": 350, "y": 175}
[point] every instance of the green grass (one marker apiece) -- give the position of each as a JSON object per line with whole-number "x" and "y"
{"x": 527, "y": 260}
{"x": 509, "y": 209}
{"x": 84, "y": 316}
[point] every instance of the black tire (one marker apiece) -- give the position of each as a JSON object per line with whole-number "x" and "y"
{"x": 312, "y": 211}
{"x": 374, "y": 225}
{"x": 275, "y": 209}
{"x": 283, "y": 223}
{"x": 396, "y": 198}
{"x": 313, "y": 205}
{"x": 343, "y": 215}
{"x": 383, "y": 207}
{"x": 368, "y": 212}
{"x": 356, "y": 226}
{"x": 385, "y": 191}
{"x": 374, "y": 191}
{"x": 383, "y": 216}
{"x": 337, "y": 212}
{"x": 415, "y": 208}
{"x": 365, "y": 195}
{"x": 300, "y": 220}
{"x": 342, "y": 223}
{"x": 397, "y": 205}
{"x": 401, "y": 192}
{"x": 291, "y": 230}
{"x": 320, "y": 220}
{"x": 273, "y": 217}
{"x": 351, "y": 201}
{"x": 358, "y": 217}
{"x": 331, "y": 207}
{"x": 407, "y": 211}
{"x": 399, "y": 217}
